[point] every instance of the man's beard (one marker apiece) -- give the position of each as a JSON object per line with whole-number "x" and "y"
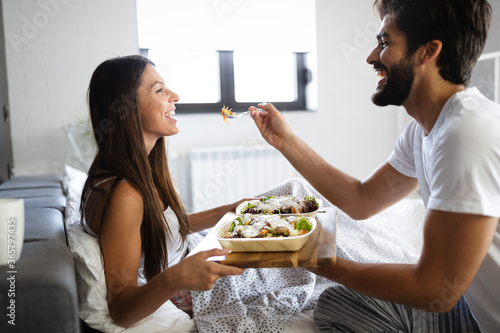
{"x": 398, "y": 83}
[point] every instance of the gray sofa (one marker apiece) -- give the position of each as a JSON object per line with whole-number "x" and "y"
{"x": 46, "y": 298}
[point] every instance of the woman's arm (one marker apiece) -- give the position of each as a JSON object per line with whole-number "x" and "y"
{"x": 207, "y": 219}
{"x": 121, "y": 246}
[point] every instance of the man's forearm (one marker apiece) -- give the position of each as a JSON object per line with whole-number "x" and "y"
{"x": 338, "y": 187}
{"x": 359, "y": 199}
{"x": 399, "y": 283}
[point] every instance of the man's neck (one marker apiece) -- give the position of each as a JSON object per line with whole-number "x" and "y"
{"x": 427, "y": 99}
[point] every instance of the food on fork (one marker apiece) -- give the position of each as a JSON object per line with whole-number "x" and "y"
{"x": 284, "y": 204}
{"x": 265, "y": 226}
{"x": 226, "y": 111}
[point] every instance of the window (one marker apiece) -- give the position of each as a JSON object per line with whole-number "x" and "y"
{"x": 221, "y": 52}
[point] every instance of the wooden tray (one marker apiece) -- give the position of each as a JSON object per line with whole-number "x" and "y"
{"x": 319, "y": 251}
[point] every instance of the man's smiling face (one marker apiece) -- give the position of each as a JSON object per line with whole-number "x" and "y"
{"x": 391, "y": 62}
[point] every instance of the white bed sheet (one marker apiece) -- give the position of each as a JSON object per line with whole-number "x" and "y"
{"x": 256, "y": 301}
{"x": 394, "y": 235}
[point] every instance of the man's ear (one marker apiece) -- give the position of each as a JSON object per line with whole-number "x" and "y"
{"x": 431, "y": 51}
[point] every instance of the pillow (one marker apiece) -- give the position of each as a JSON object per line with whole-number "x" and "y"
{"x": 90, "y": 277}
{"x": 73, "y": 178}
{"x": 73, "y": 181}
{"x": 92, "y": 293}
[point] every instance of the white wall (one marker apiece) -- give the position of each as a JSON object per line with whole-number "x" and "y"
{"x": 49, "y": 72}
{"x": 348, "y": 130}
{"x": 52, "y": 47}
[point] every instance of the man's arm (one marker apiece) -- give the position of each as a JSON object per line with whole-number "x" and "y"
{"x": 359, "y": 199}
{"x": 454, "y": 247}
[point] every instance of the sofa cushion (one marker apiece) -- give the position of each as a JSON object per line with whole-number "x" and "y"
{"x": 27, "y": 182}
{"x": 30, "y": 192}
{"x": 57, "y": 202}
{"x": 45, "y": 289}
{"x": 44, "y": 224}
{"x": 46, "y": 298}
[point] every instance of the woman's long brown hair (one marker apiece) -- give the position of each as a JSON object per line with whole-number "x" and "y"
{"x": 122, "y": 154}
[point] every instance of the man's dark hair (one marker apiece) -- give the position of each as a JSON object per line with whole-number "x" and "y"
{"x": 461, "y": 25}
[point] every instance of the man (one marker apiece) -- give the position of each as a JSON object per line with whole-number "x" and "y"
{"x": 451, "y": 150}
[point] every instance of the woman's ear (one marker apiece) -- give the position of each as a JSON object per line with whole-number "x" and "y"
{"x": 431, "y": 51}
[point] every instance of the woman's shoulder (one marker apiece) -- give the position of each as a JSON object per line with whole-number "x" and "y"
{"x": 127, "y": 193}
{"x": 118, "y": 191}
{"x": 111, "y": 198}
{"x": 125, "y": 208}
{"x": 107, "y": 181}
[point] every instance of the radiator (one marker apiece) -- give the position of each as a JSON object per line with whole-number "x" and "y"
{"x": 219, "y": 176}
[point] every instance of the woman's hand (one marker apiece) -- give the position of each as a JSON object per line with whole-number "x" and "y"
{"x": 196, "y": 273}
{"x": 232, "y": 207}
{"x": 272, "y": 125}
{"x": 208, "y": 218}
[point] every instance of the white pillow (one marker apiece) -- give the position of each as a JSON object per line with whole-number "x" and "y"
{"x": 73, "y": 178}
{"x": 92, "y": 293}
{"x": 73, "y": 181}
{"x": 90, "y": 278}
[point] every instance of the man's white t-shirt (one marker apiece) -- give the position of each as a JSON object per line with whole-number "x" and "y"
{"x": 458, "y": 169}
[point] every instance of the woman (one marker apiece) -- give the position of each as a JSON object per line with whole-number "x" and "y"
{"x": 129, "y": 201}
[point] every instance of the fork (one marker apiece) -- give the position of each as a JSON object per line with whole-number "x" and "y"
{"x": 242, "y": 113}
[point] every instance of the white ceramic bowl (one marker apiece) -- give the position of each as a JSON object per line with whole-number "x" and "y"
{"x": 244, "y": 205}
{"x": 270, "y": 244}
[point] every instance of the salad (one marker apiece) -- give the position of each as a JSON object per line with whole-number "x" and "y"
{"x": 284, "y": 204}
{"x": 264, "y": 226}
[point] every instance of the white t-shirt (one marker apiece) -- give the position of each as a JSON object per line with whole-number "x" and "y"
{"x": 458, "y": 169}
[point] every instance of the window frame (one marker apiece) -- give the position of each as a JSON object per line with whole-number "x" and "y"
{"x": 227, "y": 88}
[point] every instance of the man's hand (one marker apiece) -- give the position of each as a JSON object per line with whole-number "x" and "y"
{"x": 272, "y": 125}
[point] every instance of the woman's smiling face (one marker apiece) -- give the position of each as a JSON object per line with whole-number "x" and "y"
{"x": 156, "y": 106}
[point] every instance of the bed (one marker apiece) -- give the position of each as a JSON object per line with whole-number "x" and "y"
{"x": 259, "y": 300}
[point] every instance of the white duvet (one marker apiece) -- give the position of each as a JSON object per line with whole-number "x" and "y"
{"x": 264, "y": 300}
